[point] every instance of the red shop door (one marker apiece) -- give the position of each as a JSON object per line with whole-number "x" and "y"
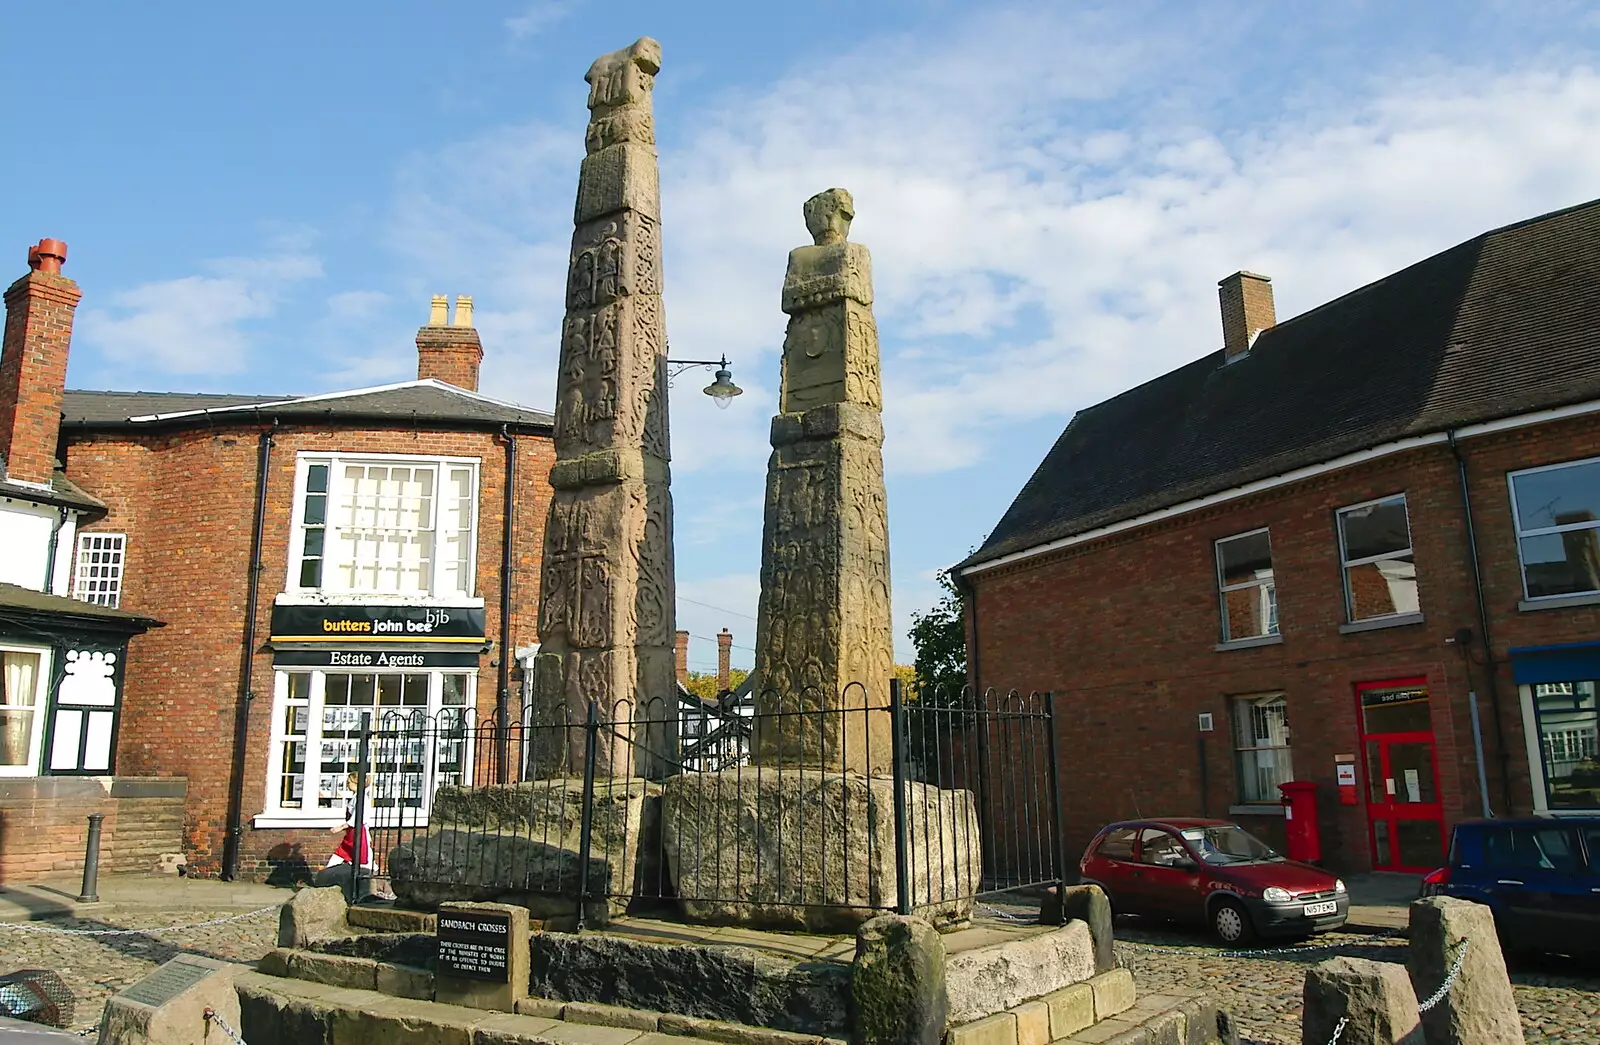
{"x": 1404, "y": 813}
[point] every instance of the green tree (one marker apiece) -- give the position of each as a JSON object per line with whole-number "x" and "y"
{"x": 940, "y": 639}
{"x": 703, "y": 684}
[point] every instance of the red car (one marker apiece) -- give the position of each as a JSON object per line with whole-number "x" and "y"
{"x": 1212, "y": 872}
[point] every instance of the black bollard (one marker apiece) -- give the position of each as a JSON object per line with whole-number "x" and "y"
{"x": 91, "y": 861}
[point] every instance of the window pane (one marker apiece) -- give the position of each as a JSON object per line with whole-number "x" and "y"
{"x": 1118, "y": 845}
{"x": 19, "y": 685}
{"x": 1250, "y": 612}
{"x": 1375, "y": 529}
{"x": 317, "y": 478}
{"x": 1245, "y": 559}
{"x": 313, "y": 544}
{"x": 1558, "y": 496}
{"x": 1382, "y": 588}
{"x": 1561, "y": 563}
{"x": 311, "y": 573}
{"x": 316, "y": 510}
{"x": 1569, "y": 737}
{"x": 1261, "y": 731}
{"x": 455, "y": 689}
{"x": 1395, "y": 710}
{"x": 300, "y": 686}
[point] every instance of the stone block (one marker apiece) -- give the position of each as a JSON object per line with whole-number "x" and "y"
{"x": 167, "y": 1007}
{"x": 1033, "y": 1023}
{"x": 621, "y": 177}
{"x": 1113, "y": 993}
{"x": 987, "y": 979}
{"x": 275, "y": 962}
{"x": 999, "y": 1029}
{"x": 1071, "y": 1009}
{"x": 1480, "y": 1008}
{"x": 1115, "y": 1031}
{"x": 734, "y": 1033}
{"x": 313, "y": 914}
{"x": 610, "y": 1015}
{"x": 587, "y": 1034}
{"x": 378, "y": 1020}
{"x": 1087, "y": 903}
{"x": 390, "y": 919}
{"x": 336, "y": 970}
{"x": 549, "y": 1008}
{"x": 486, "y": 993}
{"x": 821, "y": 839}
{"x": 509, "y": 1029}
{"x": 1374, "y": 997}
{"x": 898, "y": 993}
{"x": 1169, "y": 1027}
{"x": 404, "y": 981}
{"x": 268, "y": 1014}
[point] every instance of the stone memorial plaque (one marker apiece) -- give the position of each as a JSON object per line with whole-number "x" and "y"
{"x": 475, "y": 944}
{"x": 169, "y": 981}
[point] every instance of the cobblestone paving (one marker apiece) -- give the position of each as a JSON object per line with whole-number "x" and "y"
{"x": 96, "y": 967}
{"x": 1559, "y": 998}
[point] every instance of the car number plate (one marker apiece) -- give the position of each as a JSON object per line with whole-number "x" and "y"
{"x": 1325, "y": 907}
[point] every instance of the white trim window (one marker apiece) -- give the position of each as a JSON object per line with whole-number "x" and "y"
{"x": 1557, "y": 514}
{"x": 1561, "y": 723}
{"x": 24, "y": 674}
{"x": 1380, "y": 572}
{"x": 99, "y": 572}
{"x": 1248, "y": 594}
{"x": 383, "y": 524}
{"x": 1261, "y": 728}
{"x": 316, "y": 736}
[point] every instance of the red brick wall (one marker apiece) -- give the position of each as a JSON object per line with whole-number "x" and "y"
{"x": 1123, "y": 630}
{"x": 33, "y": 372}
{"x": 44, "y": 824}
{"x": 187, "y": 502}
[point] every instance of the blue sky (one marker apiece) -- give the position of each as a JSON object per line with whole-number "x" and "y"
{"x": 262, "y": 198}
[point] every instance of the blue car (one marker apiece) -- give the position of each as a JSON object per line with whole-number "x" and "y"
{"x": 1540, "y": 876}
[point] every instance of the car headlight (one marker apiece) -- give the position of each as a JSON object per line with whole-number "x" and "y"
{"x": 1338, "y": 885}
{"x": 1272, "y": 894}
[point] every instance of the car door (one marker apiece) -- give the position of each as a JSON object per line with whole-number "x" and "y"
{"x": 1532, "y": 869}
{"x": 1586, "y": 899}
{"x": 1111, "y": 865}
{"x": 1166, "y": 877}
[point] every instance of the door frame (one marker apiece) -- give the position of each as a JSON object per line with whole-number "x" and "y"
{"x": 1434, "y": 810}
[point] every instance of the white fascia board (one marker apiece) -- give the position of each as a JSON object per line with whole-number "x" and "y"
{"x": 1347, "y": 461}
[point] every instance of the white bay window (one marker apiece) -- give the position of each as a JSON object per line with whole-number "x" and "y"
{"x": 383, "y": 524}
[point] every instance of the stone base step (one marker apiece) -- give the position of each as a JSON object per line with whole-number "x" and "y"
{"x": 1177, "y": 1018}
{"x": 277, "y": 1011}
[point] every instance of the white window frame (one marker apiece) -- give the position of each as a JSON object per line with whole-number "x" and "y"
{"x": 41, "y": 708}
{"x": 275, "y": 814}
{"x": 1267, "y": 596}
{"x": 80, "y": 574}
{"x": 1519, "y": 533}
{"x": 336, "y": 462}
{"x": 1246, "y": 703}
{"x": 1346, "y": 564}
{"x": 1533, "y": 738}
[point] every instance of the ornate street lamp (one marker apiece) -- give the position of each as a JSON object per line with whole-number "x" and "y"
{"x": 722, "y": 389}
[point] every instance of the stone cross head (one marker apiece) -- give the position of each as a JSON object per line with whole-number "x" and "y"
{"x": 623, "y": 77}
{"x": 828, "y": 216}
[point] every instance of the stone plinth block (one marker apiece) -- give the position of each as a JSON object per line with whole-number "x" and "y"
{"x": 897, "y": 984}
{"x": 1087, "y": 903}
{"x": 1374, "y": 998}
{"x": 787, "y": 849}
{"x": 985, "y": 980}
{"x": 1479, "y": 1008}
{"x": 495, "y": 937}
{"x": 313, "y": 914}
{"x": 168, "y": 1006}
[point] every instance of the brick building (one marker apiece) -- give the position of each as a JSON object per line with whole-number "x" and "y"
{"x": 315, "y": 559}
{"x": 1359, "y": 547}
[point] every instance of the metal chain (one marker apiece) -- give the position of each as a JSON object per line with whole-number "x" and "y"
{"x": 1449, "y": 979}
{"x": 1262, "y": 952}
{"x": 213, "y": 1016}
{"x": 32, "y": 927}
{"x": 1338, "y": 1029}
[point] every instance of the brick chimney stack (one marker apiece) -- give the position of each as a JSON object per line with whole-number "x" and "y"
{"x": 680, "y": 656}
{"x": 33, "y": 364}
{"x": 724, "y": 660}
{"x": 1247, "y": 310}
{"x": 447, "y": 350}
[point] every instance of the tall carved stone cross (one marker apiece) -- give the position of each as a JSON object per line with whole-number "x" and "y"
{"x": 824, "y": 643}
{"x": 606, "y": 605}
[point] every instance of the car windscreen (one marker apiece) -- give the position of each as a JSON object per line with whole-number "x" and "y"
{"x": 1225, "y": 844}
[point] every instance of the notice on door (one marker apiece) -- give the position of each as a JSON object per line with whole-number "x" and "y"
{"x": 475, "y": 945}
{"x": 1413, "y": 786}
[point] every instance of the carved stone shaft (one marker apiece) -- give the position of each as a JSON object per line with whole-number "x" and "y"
{"x": 606, "y": 605}
{"x": 824, "y": 637}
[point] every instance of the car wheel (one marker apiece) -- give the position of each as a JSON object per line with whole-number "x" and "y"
{"x": 1230, "y": 923}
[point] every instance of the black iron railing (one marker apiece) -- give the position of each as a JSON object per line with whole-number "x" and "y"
{"x": 788, "y": 811}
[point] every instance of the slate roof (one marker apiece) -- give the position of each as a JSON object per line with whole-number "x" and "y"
{"x": 421, "y": 402}
{"x": 1503, "y": 324}
{"x": 63, "y": 492}
{"x": 15, "y": 599}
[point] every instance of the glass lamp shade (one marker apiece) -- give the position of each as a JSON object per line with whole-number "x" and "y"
{"x": 722, "y": 389}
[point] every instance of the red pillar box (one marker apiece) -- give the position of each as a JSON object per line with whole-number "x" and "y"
{"x": 1300, "y": 820}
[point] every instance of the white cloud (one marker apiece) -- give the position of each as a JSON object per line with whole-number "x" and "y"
{"x": 537, "y": 17}
{"x": 197, "y": 324}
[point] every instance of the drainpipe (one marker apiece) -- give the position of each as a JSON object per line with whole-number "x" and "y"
{"x": 50, "y": 555}
{"x": 502, "y": 700}
{"x": 247, "y": 694}
{"x": 1491, "y": 671}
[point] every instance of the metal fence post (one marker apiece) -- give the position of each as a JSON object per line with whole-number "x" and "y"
{"x": 91, "y": 861}
{"x": 363, "y": 755}
{"x": 1057, "y": 842}
{"x": 897, "y": 751}
{"x": 591, "y": 737}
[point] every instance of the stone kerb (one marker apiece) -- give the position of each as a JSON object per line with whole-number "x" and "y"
{"x": 814, "y": 850}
